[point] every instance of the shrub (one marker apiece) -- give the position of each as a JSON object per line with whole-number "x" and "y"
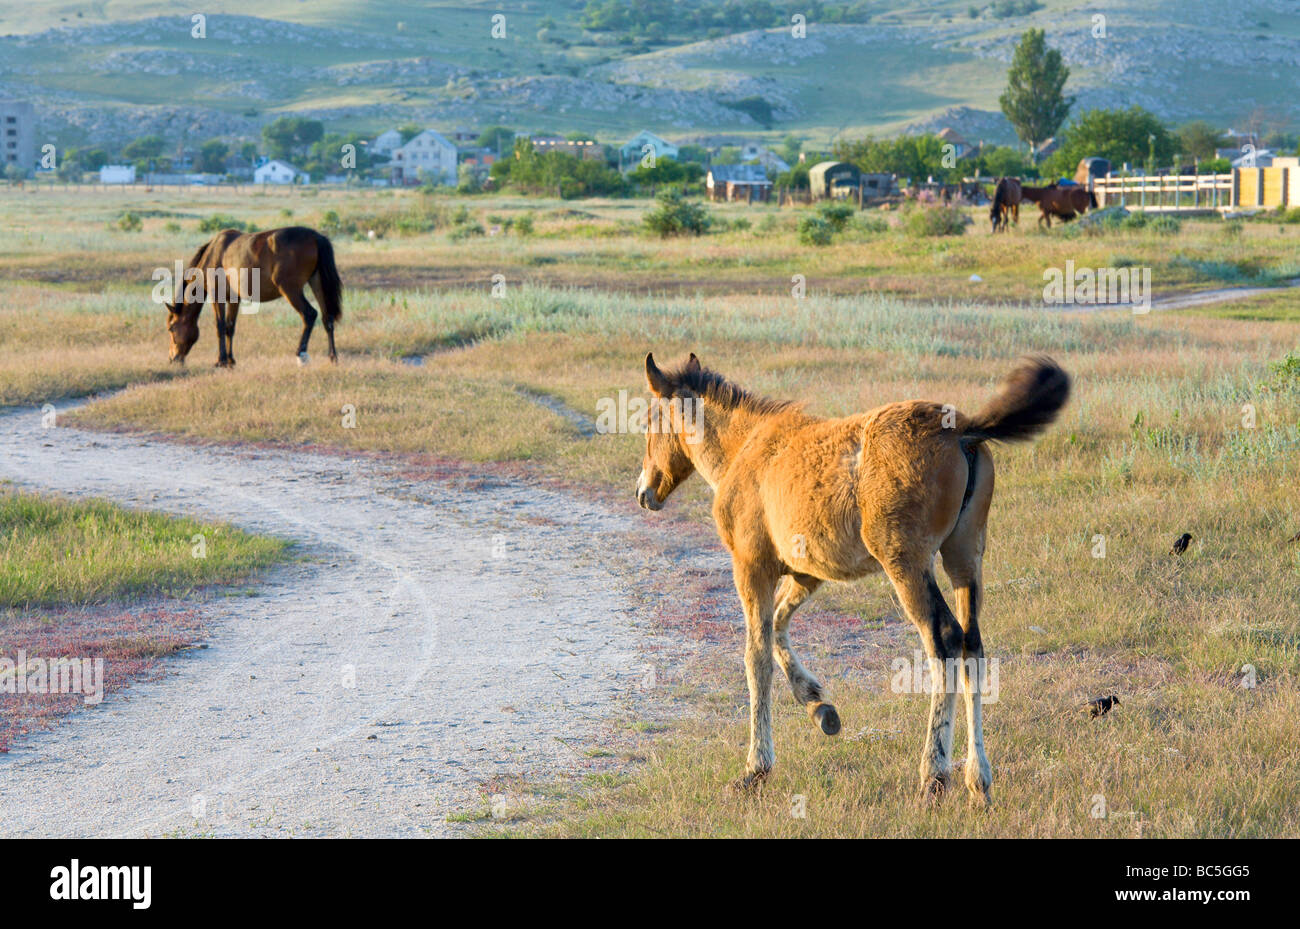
{"x": 1286, "y": 373}
{"x": 836, "y": 214}
{"x": 813, "y": 230}
{"x": 219, "y": 221}
{"x": 524, "y": 225}
{"x": 129, "y": 222}
{"x": 934, "y": 221}
{"x": 873, "y": 224}
{"x": 675, "y": 215}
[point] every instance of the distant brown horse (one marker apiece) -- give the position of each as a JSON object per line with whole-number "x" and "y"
{"x": 799, "y": 500}
{"x": 257, "y": 266}
{"x": 1006, "y": 203}
{"x": 1064, "y": 203}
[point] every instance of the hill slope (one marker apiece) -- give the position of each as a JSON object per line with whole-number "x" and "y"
{"x": 112, "y": 70}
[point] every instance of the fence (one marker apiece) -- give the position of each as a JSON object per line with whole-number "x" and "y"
{"x": 1244, "y": 188}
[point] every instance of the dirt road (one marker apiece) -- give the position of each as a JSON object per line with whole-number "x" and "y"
{"x": 484, "y": 629}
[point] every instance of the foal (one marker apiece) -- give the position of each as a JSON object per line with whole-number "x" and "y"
{"x": 799, "y": 500}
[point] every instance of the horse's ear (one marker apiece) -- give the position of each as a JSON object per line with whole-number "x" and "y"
{"x": 693, "y": 364}
{"x": 659, "y": 385}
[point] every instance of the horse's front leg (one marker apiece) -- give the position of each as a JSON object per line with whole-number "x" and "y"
{"x": 219, "y": 313}
{"x": 756, "y": 586}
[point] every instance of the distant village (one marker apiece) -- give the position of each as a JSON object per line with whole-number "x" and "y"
{"x": 722, "y": 168}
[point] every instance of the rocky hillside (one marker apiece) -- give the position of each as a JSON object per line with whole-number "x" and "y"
{"x": 100, "y": 80}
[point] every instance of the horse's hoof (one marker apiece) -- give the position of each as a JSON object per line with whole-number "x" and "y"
{"x": 751, "y": 783}
{"x": 303, "y": 359}
{"x": 932, "y": 789}
{"x": 824, "y": 715}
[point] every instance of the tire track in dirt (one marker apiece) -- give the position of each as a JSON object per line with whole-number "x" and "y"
{"x": 486, "y": 628}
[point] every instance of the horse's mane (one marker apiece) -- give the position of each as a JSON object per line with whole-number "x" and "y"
{"x": 198, "y": 256}
{"x": 713, "y": 386}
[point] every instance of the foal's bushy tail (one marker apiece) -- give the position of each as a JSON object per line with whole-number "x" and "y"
{"x": 330, "y": 284}
{"x": 1027, "y": 402}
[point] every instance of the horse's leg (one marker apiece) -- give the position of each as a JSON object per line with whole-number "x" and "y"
{"x": 219, "y": 314}
{"x": 232, "y": 314}
{"x": 794, "y": 590}
{"x": 756, "y": 584}
{"x": 963, "y": 558}
{"x": 943, "y": 641}
{"x": 325, "y": 320}
{"x": 308, "y": 314}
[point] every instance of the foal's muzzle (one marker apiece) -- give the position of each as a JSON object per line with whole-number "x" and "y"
{"x": 645, "y": 495}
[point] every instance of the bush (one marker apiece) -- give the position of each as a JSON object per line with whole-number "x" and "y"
{"x": 813, "y": 230}
{"x": 836, "y": 214}
{"x": 219, "y": 221}
{"x": 873, "y": 224}
{"x": 675, "y": 215}
{"x": 129, "y": 222}
{"x": 922, "y": 221}
{"x": 1286, "y": 373}
{"x": 524, "y": 225}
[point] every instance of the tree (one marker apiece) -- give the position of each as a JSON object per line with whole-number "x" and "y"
{"x": 1199, "y": 139}
{"x": 212, "y": 156}
{"x": 144, "y": 148}
{"x": 1135, "y": 136}
{"x": 498, "y": 138}
{"x": 1034, "y": 101}
{"x": 289, "y": 135}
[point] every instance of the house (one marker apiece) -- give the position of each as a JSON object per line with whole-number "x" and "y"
{"x": 585, "y": 150}
{"x": 385, "y": 143}
{"x": 1250, "y": 157}
{"x": 17, "y": 136}
{"x": 462, "y": 136}
{"x": 276, "y": 171}
{"x": 430, "y": 156}
{"x": 476, "y": 155}
{"x": 770, "y": 160}
{"x": 117, "y": 174}
{"x": 642, "y": 144}
{"x": 738, "y": 182}
{"x": 950, "y": 136}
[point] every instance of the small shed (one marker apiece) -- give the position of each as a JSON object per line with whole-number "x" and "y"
{"x": 738, "y": 182}
{"x": 833, "y": 180}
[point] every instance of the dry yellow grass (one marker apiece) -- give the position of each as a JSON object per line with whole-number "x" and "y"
{"x": 1152, "y": 445}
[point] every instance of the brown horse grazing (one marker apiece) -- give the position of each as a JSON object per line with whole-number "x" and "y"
{"x": 799, "y": 500}
{"x": 1006, "y": 203}
{"x": 260, "y": 266}
{"x": 1063, "y": 202}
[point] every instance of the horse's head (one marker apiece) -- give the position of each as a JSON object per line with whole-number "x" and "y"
{"x": 183, "y": 328}
{"x": 995, "y": 214}
{"x": 666, "y": 463}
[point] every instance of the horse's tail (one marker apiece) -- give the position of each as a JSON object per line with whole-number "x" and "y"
{"x": 1028, "y": 401}
{"x": 330, "y": 284}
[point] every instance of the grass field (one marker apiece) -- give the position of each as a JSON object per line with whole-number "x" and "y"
{"x": 1181, "y": 421}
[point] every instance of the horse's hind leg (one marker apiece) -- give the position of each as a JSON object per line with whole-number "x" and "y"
{"x": 943, "y": 641}
{"x": 794, "y": 590}
{"x": 232, "y": 314}
{"x": 325, "y": 320}
{"x": 963, "y": 557}
{"x": 308, "y": 314}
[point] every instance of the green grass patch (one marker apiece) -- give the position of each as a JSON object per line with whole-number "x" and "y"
{"x": 55, "y": 551}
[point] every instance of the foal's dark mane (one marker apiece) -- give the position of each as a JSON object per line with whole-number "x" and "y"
{"x": 713, "y": 386}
